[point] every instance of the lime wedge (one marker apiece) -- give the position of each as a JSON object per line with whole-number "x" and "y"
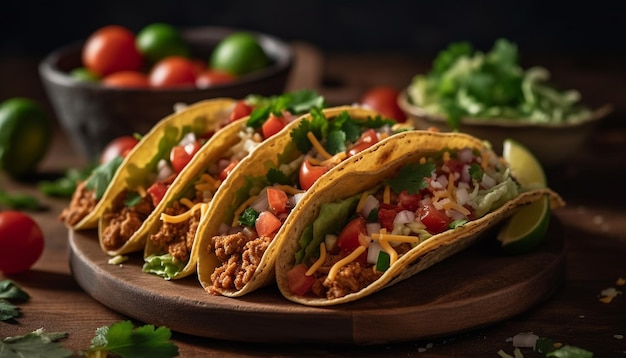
{"x": 525, "y": 167}
{"x": 525, "y": 229}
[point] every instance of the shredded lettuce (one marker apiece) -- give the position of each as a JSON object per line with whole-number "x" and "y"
{"x": 165, "y": 266}
{"x": 489, "y": 200}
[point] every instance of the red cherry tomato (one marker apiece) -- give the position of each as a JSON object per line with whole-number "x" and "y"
{"x": 111, "y": 49}
{"x": 21, "y": 242}
{"x": 367, "y": 139}
{"x": 309, "y": 174}
{"x": 127, "y": 79}
{"x": 241, "y": 110}
{"x": 272, "y": 125}
{"x": 436, "y": 221}
{"x": 118, "y": 146}
{"x": 181, "y": 155}
{"x": 210, "y": 78}
{"x": 299, "y": 283}
{"x": 384, "y": 99}
{"x": 173, "y": 71}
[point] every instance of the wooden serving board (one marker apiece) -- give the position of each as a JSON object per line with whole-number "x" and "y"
{"x": 474, "y": 288}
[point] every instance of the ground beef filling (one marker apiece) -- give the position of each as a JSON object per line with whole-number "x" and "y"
{"x": 82, "y": 203}
{"x": 350, "y": 278}
{"x": 177, "y": 238}
{"x": 240, "y": 256}
{"x": 124, "y": 221}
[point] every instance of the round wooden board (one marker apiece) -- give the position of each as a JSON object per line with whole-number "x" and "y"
{"x": 474, "y": 288}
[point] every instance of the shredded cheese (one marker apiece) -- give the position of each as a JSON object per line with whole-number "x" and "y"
{"x": 332, "y": 161}
{"x": 383, "y": 236}
{"x": 142, "y": 191}
{"x": 241, "y": 208}
{"x": 446, "y": 156}
{"x": 319, "y": 261}
{"x": 175, "y": 219}
{"x": 359, "y": 206}
{"x": 318, "y": 146}
{"x": 186, "y": 202}
{"x": 387, "y": 195}
{"x": 346, "y": 260}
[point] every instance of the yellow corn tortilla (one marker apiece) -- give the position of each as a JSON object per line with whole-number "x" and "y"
{"x": 134, "y": 172}
{"x": 233, "y": 192}
{"x": 375, "y": 165}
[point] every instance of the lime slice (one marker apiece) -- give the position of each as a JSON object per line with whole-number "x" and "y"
{"x": 525, "y": 167}
{"x": 525, "y": 229}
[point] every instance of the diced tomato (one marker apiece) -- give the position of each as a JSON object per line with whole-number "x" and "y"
{"x": 241, "y": 110}
{"x": 277, "y": 200}
{"x": 267, "y": 224}
{"x": 157, "y": 192}
{"x": 348, "y": 239}
{"x": 229, "y": 168}
{"x": 409, "y": 201}
{"x": 273, "y": 124}
{"x": 309, "y": 174}
{"x": 181, "y": 155}
{"x": 299, "y": 283}
{"x": 367, "y": 139}
{"x": 436, "y": 221}
{"x": 454, "y": 165}
{"x": 387, "y": 214}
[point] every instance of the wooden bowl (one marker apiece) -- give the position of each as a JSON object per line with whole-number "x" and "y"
{"x": 93, "y": 114}
{"x": 552, "y": 143}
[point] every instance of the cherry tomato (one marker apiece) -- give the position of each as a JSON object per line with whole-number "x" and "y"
{"x": 157, "y": 192}
{"x": 228, "y": 169}
{"x": 367, "y": 139}
{"x": 277, "y": 200}
{"x": 111, "y": 49}
{"x": 384, "y": 99}
{"x": 181, "y": 155}
{"x": 21, "y": 242}
{"x": 436, "y": 221}
{"x": 299, "y": 283}
{"x": 159, "y": 40}
{"x": 272, "y": 125}
{"x": 241, "y": 110}
{"x": 210, "y": 78}
{"x": 267, "y": 224}
{"x": 173, "y": 71}
{"x": 118, "y": 146}
{"x": 309, "y": 174}
{"x": 127, "y": 79}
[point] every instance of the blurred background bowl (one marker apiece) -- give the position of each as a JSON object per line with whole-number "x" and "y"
{"x": 93, "y": 114}
{"x": 552, "y": 143}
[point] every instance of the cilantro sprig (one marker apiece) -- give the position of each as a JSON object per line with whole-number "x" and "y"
{"x": 296, "y": 102}
{"x": 11, "y": 293}
{"x": 411, "y": 177}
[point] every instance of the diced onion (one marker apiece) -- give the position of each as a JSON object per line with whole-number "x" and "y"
{"x": 223, "y": 229}
{"x": 372, "y": 228}
{"x": 372, "y": 252}
{"x": 403, "y": 217}
{"x": 189, "y": 138}
{"x": 295, "y": 199}
{"x": 465, "y": 155}
{"x": 330, "y": 240}
{"x": 465, "y": 174}
{"x": 261, "y": 203}
{"x": 250, "y": 233}
{"x": 164, "y": 170}
{"x": 370, "y": 204}
{"x": 525, "y": 340}
{"x": 462, "y": 196}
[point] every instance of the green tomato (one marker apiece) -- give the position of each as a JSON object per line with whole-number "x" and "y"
{"x": 84, "y": 74}
{"x": 238, "y": 53}
{"x": 25, "y": 136}
{"x": 159, "y": 40}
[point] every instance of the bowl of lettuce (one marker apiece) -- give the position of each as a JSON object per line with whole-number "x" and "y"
{"x": 489, "y": 95}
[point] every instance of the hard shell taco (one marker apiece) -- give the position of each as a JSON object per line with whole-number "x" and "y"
{"x": 416, "y": 199}
{"x": 246, "y": 218}
{"x": 146, "y": 175}
{"x": 170, "y": 251}
{"x": 88, "y": 200}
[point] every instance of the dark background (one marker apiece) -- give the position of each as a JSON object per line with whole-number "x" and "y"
{"x": 417, "y": 27}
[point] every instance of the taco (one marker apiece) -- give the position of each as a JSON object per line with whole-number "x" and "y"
{"x": 416, "y": 199}
{"x": 87, "y": 204}
{"x": 170, "y": 251}
{"x": 146, "y": 175}
{"x": 238, "y": 237}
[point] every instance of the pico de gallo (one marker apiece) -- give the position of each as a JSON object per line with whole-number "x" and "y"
{"x": 172, "y": 242}
{"x": 357, "y": 239}
{"x": 322, "y": 143}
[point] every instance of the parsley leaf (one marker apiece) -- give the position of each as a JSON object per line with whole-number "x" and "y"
{"x": 318, "y": 125}
{"x": 35, "y": 344}
{"x": 11, "y": 291}
{"x": 8, "y": 311}
{"x": 126, "y": 341}
{"x": 411, "y": 178}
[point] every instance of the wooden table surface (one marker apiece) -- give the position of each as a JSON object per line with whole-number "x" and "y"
{"x": 594, "y": 223}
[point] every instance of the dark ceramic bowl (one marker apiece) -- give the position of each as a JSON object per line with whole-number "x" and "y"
{"x": 552, "y": 143}
{"x": 93, "y": 114}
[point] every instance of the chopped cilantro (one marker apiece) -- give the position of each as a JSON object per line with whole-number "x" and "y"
{"x": 297, "y": 102}
{"x": 335, "y": 142}
{"x": 275, "y": 176}
{"x": 476, "y": 172}
{"x": 318, "y": 125}
{"x": 35, "y": 344}
{"x": 126, "y": 341}
{"x": 412, "y": 177}
{"x": 132, "y": 198}
{"x": 8, "y": 311}
{"x": 457, "y": 223}
{"x": 10, "y": 291}
{"x": 248, "y": 217}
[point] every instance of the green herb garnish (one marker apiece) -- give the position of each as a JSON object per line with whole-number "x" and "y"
{"x": 248, "y": 217}
{"x": 297, "y": 102}
{"x": 411, "y": 178}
